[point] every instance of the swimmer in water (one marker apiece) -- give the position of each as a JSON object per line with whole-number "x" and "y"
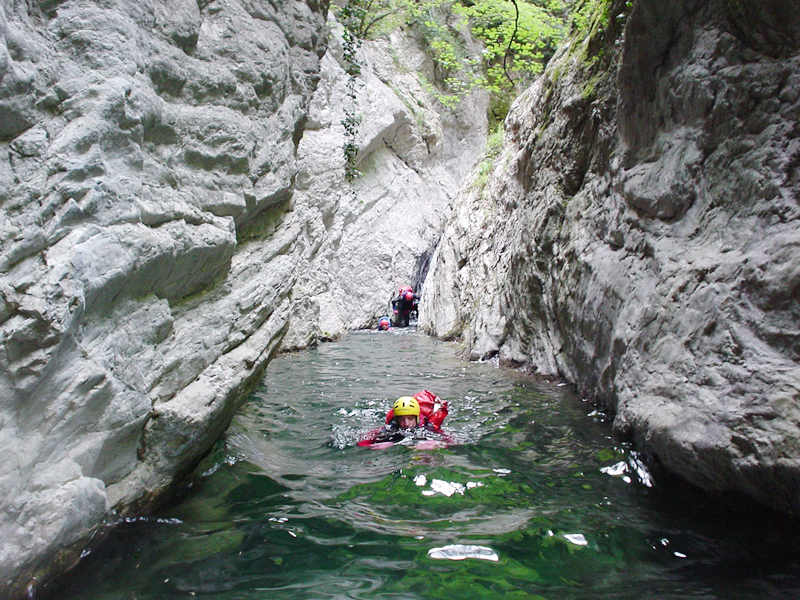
{"x": 411, "y": 416}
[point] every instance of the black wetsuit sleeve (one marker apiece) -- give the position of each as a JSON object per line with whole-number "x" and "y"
{"x": 388, "y": 434}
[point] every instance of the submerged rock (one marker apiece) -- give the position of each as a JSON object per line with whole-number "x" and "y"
{"x": 639, "y": 236}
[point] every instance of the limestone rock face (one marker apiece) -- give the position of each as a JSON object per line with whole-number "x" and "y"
{"x": 174, "y": 212}
{"x": 138, "y": 139}
{"x": 377, "y": 233}
{"x": 640, "y": 236}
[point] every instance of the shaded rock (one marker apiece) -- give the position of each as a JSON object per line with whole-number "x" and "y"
{"x": 638, "y": 237}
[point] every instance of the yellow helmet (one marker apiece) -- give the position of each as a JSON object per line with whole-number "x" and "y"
{"x": 406, "y": 405}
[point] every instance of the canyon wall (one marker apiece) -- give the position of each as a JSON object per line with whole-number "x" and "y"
{"x": 174, "y": 213}
{"x": 640, "y": 236}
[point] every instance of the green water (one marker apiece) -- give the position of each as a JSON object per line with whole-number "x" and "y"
{"x": 287, "y": 507}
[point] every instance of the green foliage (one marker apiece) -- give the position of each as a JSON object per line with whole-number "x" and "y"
{"x": 494, "y": 145}
{"x": 499, "y": 106}
{"x": 446, "y": 35}
{"x": 519, "y": 37}
{"x": 587, "y": 12}
{"x": 356, "y": 21}
{"x": 369, "y": 18}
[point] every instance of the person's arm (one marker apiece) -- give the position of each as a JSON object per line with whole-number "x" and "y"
{"x": 388, "y": 434}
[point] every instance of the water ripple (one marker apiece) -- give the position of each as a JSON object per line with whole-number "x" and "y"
{"x": 535, "y": 500}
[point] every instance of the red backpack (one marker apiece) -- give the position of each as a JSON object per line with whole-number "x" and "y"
{"x": 427, "y": 401}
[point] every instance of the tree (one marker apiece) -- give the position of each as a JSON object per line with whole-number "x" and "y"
{"x": 517, "y": 38}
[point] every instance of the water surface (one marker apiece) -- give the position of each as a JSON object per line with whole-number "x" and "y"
{"x": 535, "y": 501}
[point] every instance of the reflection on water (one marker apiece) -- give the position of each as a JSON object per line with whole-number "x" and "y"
{"x": 536, "y": 500}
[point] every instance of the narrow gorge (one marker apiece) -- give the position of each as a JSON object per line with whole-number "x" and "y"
{"x": 176, "y": 211}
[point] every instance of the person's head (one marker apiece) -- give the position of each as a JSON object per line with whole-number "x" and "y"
{"x": 409, "y": 296}
{"x": 406, "y": 412}
{"x": 383, "y": 323}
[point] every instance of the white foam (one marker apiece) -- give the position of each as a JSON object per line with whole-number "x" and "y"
{"x": 461, "y": 551}
{"x": 576, "y": 538}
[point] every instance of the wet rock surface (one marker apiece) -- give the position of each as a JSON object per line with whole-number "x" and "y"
{"x": 639, "y": 236}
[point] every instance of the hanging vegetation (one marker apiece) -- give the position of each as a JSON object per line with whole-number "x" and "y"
{"x": 352, "y": 16}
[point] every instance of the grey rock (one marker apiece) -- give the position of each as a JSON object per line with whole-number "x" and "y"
{"x": 131, "y": 317}
{"x": 638, "y": 237}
